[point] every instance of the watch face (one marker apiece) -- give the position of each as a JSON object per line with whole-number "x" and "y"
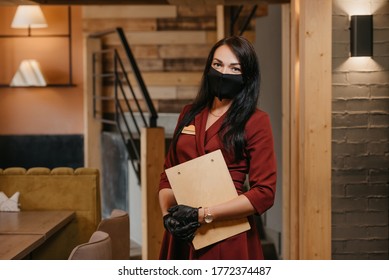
{"x": 208, "y": 218}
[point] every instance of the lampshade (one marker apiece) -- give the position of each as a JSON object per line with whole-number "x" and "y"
{"x": 29, "y": 16}
{"x": 29, "y": 74}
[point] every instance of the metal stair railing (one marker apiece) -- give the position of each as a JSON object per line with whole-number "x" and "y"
{"x": 122, "y": 105}
{"x": 234, "y": 15}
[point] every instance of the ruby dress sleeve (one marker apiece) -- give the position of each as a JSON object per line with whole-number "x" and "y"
{"x": 261, "y": 160}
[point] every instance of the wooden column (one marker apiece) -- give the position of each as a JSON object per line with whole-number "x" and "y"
{"x": 92, "y": 127}
{"x": 152, "y": 160}
{"x": 220, "y": 23}
{"x": 286, "y": 131}
{"x": 307, "y": 124}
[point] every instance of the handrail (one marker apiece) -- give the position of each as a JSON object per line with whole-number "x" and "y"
{"x": 234, "y": 15}
{"x": 150, "y": 105}
{"x": 134, "y": 65}
{"x": 122, "y": 82}
{"x": 247, "y": 20}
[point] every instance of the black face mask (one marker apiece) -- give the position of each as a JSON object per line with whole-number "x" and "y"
{"x": 224, "y": 86}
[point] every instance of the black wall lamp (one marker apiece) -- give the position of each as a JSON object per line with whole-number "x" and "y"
{"x": 361, "y": 35}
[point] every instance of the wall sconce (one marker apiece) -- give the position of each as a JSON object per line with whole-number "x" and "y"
{"x": 361, "y": 35}
{"x": 29, "y": 16}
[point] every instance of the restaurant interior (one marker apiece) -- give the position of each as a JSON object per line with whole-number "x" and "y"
{"x": 90, "y": 94}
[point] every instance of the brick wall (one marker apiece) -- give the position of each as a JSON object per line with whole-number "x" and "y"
{"x": 360, "y": 139}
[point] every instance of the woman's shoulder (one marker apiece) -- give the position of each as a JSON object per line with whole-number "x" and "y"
{"x": 258, "y": 122}
{"x": 184, "y": 111}
{"x": 258, "y": 116}
{"x": 186, "y": 108}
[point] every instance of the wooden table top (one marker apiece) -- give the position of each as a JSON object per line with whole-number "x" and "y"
{"x": 24, "y": 231}
{"x": 34, "y": 222}
{"x": 18, "y": 246}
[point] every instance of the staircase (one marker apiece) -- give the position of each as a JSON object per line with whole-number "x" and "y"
{"x": 116, "y": 105}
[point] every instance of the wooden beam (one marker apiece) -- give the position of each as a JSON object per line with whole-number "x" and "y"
{"x": 16, "y": 2}
{"x": 141, "y": 2}
{"x": 92, "y": 127}
{"x": 220, "y": 24}
{"x": 225, "y": 2}
{"x": 308, "y": 198}
{"x": 90, "y": 2}
{"x": 153, "y": 157}
{"x": 286, "y": 130}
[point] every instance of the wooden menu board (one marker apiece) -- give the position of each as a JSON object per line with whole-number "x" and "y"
{"x": 206, "y": 181}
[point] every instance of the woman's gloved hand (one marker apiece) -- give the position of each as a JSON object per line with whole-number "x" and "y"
{"x": 170, "y": 223}
{"x": 184, "y": 214}
{"x": 178, "y": 230}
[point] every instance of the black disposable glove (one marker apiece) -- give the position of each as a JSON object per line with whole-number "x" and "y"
{"x": 184, "y": 214}
{"x": 183, "y": 232}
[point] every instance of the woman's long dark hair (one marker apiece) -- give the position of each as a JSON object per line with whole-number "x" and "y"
{"x": 243, "y": 105}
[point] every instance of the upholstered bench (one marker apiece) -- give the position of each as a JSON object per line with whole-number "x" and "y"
{"x": 58, "y": 189}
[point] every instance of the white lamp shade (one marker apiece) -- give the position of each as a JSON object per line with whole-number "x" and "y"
{"x": 29, "y": 74}
{"x": 29, "y": 16}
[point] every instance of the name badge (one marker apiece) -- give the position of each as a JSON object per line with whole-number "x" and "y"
{"x": 190, "y": 129}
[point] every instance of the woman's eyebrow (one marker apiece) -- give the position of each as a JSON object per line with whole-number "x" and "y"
{"x": 220, "y": 61}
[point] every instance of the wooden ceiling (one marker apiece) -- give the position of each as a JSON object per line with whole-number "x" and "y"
{"x": 140, "y": 2}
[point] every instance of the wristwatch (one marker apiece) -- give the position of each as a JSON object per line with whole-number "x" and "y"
{"x": 208, "y": 218}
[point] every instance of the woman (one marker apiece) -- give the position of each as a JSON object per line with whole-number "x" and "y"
{"x": 225, "y": 117}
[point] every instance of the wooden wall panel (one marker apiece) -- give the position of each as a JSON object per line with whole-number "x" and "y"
{"x": 142, "y": 24}
{"x": 187, "y": 23}
{"x": 156, "y": 92}
{"x": 184, "y": 64}
{"x": 199, "y": 11}
{"x": 144, "y": 65}
{"x": 109, "y": 106}
{"x": 162, "y": 37}
{"x": 187, "y": 92}
{"x": 172, "y": 78}
{"x": 139, "y": 51}
{"x": 130, "y": 11}
{"x": 172, "y": 106}
{"x": 184, "y": 51}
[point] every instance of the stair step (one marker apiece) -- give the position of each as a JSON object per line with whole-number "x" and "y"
{"x": 135, "y": 251}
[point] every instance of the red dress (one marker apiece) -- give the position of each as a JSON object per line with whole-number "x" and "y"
{"x": 259, "y": 163}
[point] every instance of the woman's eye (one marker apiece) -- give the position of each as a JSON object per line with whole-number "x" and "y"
{"x": 216, "y": 64}
{"x": 236, "y": 70}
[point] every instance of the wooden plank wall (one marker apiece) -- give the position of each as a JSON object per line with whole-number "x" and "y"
{"x": 170, "y": 44}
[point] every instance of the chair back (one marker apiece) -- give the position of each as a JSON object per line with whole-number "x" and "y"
{"x": 97, "y": 248}
{"x": 118, "y": 228}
